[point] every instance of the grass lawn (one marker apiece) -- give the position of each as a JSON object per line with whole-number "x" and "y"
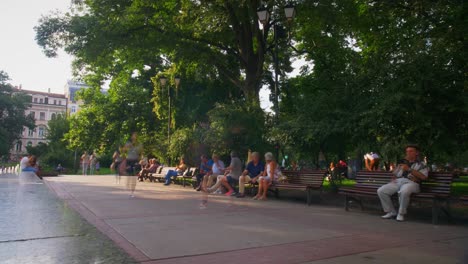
{"x": 460, "y": 186}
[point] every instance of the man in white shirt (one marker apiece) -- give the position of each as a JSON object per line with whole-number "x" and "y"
{"x": 217, "y": 171}
{"x": 407, "y": 177}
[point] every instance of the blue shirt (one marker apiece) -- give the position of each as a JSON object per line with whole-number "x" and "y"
{"x": 206, "y": 167}
{"x": 253, "y": 170}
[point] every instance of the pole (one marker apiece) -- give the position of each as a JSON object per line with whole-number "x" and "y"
{"x": 276, "y": 103}
{"x": 169, "y": 125}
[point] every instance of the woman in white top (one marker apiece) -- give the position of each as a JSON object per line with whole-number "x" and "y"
{"x": 270, "y": 175}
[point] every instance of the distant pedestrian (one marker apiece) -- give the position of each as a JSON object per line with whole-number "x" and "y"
{"x": 117, "y": 160}
{"x": 85, "y": 163}
{"x": 92, "y": 163}
{"x": 133, "y": 150}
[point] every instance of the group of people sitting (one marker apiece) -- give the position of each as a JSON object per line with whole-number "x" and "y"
{"x": 214, "y": 177}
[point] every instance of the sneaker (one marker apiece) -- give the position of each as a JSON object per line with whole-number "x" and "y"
{"x": 400, "y": 218}
{"x": 389, "y": 215}
{"x": 218, "y": 192}
{"x": 167, "y": 184}
{"x": 240, "y": 195}
{"x": 229, "y": 193}
{"x": 234, "y": 194}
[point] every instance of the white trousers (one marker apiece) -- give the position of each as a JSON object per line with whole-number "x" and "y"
{"x": 404, "y": 187}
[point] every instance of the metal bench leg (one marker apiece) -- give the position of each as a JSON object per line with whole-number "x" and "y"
{"x": 435, "y": 212}
{"x": 346, "y": 203}
{"x": 309, "y": 197}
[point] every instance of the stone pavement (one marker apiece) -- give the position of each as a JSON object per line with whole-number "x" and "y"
{"x": 165, "y": 225}
{"x": 36, "y": 227}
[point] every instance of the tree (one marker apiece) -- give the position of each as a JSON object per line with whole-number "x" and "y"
{"x": 13, "y": 104}
{"x": 106, "y": 36}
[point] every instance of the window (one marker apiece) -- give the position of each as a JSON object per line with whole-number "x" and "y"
{"x": 53, "y": 116}
{"x": 42, "y": 116}
{"x": 35, "y": 100}
{"x": 19, "y": 146}
{"x": 55, "y": 102}
{"x": 29, "y": 144}
{"x": 41, "y": 101}
{"x": 32, "y": 114}
{"x": 41, "y": 132}
{"x": 60, "y": 102}
{"x": 30, "y": 133}
{"x": 73, "y": 109}
{"x": 46, "y": 100}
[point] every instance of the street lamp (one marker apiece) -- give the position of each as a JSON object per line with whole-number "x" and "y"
{"x": 264, "y": 18}
{"x": 163, "y": 82}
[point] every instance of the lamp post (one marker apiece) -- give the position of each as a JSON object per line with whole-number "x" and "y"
{"x": 264, "y": 18}
{"x": 163, "y": 82}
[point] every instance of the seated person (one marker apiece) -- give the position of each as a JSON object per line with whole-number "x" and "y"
{"x": 231, "y": 175}
{"x": 153, "y": 165}
{"x": 270, "y": 175}
{"x": 59, "y": 168}
{"x": 205, "y": 168}
{"x": 253, "y": 171}
{"x": 180, "y": 169}
{"x": 216, "y": 170}
{"x": 408, "y": 175}
{"x": 371, "y": 161}
{"x": 32, "y": 165}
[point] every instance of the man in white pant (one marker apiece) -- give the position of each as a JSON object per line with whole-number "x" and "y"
{"x": 408, "y": 174}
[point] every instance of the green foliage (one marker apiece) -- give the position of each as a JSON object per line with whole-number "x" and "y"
{"x": 379, "y": 74}
{"x": 235, "y": 126}
{"x": 55, "y": 151}
{"x": 12, "y": 114}
{"x": 384, "y": 74}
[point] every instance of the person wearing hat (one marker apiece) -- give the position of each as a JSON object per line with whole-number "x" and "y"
{"x": 408, "y": 175}
{"x": 270, "y": 175}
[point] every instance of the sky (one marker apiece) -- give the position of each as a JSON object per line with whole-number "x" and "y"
{"x": 20, "y": 57}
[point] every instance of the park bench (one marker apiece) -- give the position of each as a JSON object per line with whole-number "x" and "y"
{"x": 435, "y": 190}
{"x": 188, "y": 174}
{"x": 159, "y": 174}
{"x": 305, "y": 180}
{"x": 464, "y": 199}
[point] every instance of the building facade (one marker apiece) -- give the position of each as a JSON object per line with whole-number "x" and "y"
{"x": 73, "y": 104}
{"x": 44, "y": 106}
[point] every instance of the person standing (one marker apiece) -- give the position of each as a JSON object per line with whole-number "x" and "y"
{"x": 116, "y": 165}
{"x": 92, "y": 163}
{"x": 85, "y": 163}
{"x": 407, "y": 176}
{"x": 133, "y": 150}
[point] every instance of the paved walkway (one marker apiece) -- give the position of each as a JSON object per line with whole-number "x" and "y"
{"x": 165, "y": 225}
